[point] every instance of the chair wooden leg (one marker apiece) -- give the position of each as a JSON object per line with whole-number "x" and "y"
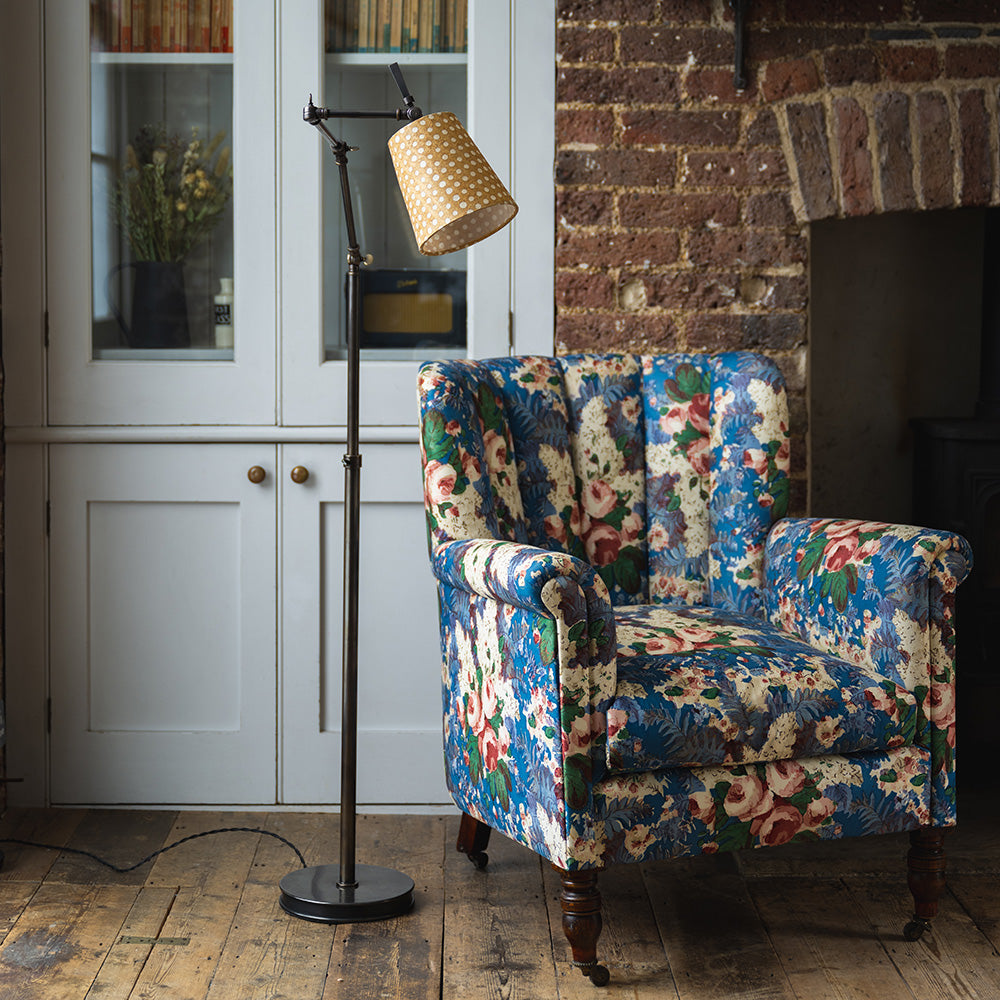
{"x": 473, "y": 838}
{"x": 581, "y": 920}
{"x": 925, "y": 863}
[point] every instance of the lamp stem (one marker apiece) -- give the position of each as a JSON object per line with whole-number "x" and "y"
{"x": 352, "y": 526}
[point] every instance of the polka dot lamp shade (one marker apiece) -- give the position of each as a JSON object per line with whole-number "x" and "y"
{"x": 452, "y": 194}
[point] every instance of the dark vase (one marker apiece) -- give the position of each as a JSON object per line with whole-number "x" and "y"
{"x": 159, "y": 305}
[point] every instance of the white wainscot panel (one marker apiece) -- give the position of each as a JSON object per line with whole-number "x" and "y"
{"x": 164, "y": 593}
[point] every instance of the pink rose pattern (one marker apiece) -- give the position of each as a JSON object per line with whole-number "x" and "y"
{"x": 557, "y": 666}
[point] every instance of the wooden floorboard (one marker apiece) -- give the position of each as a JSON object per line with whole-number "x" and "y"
{"x": 202, "y": 921}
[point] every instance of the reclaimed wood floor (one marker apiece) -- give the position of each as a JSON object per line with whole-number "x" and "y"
{"x": 202, "y": 922}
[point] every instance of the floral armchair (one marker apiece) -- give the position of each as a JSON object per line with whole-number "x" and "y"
{"x": 642, "y": 657}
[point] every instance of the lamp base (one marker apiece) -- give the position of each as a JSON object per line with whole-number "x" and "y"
{"x": 313, "y": 894}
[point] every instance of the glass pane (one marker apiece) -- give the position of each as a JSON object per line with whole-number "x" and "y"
{"x": 412, "y": 306}
{"x": 396, "y": 25}
{"x": 161, "y": 169}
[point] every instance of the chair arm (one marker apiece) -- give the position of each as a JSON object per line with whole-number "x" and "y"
{"x": 529, "y": 668}
{"x": 865, "y": 590}
{"x": 882, "y": 596}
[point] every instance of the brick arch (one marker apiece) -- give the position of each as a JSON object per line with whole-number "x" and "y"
{"x": 872, "y": 149}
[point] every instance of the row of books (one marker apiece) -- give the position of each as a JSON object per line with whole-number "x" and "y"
{"x": 161, "y": 25}
{"x": 396, "y": 25}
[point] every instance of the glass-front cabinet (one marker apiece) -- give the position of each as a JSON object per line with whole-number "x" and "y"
{"x": 195, "y": 243}
{"x": 175, "y": 380}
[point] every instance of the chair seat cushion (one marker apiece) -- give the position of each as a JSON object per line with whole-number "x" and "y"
{"x": 698, "y": 685}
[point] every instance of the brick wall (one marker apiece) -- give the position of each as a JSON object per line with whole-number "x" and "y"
{"x": 683, "y": 206}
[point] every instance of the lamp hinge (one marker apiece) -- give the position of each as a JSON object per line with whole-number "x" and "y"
{"x": 510, "y": 331}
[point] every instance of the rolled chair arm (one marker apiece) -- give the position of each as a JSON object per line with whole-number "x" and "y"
{"x": 531, "y": 634}
{"x": 882, "y": 596}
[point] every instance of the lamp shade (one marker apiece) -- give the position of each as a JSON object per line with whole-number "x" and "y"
{"x": 451, "y": 193}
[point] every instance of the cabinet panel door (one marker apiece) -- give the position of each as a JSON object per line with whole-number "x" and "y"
{"x": 162, "y": 624}
{"x": 399, "y": 657}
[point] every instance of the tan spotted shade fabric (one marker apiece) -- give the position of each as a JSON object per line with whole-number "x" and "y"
{"x": 452, "y": 194}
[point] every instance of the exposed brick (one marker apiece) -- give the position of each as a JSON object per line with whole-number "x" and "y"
{"x": 840, "y": 11}
{"x": 798, "y": 452}
{"x": 936, "y": 160}
{"x": 677, "y": 211}
{"x": 977, "y": 160}
{"x": 616, "y": 168}
{"x": 646, "y": 85}
{"x": 745, "y": 248}
{"x": 685, "y": 12}
{"x": 600, "y": 332}
{"x": 807, "y": 129}
{"x": 584, "y": 290}
{"x": 892, "y": 126}
{"x": 676, "y": 46}
{"x": 714, "y": 332}
{"x": 786, "y": 43}
{"x": 970, "y": 61}
{"x": 855, "y": 159}
{"x": 763, "y": 11}
{"x": 787, "y": 291}
{"x": 842, "y": 67}
{"x": 621, "y": 11}
{"x": 763, "y": 130}
{"x": 680, "y": 128}
{"x": 584, "y": 208}
{"x": 716, "y": 85}
{"x": 617, "y": 249}
{"x": 956, "y": 10}
{"x": 769, "y": 211}
{"x": 911, "y": 63}
{"x": 777, "y": 331}
{"x": 684, "y": 290}
{"x": 585, "y": 45}
{"x": 583, "y": 127}
{"x": 786, "y": 79}
{"x": 763, "y": 168}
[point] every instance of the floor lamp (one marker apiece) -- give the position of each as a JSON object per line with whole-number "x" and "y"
{"x": 454, "y": 199}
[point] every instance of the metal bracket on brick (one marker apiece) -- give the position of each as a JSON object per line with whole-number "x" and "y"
{"x": 740, "y": 80}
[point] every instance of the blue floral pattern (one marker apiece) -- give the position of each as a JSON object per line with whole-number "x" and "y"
{"x": 642, "y": 657}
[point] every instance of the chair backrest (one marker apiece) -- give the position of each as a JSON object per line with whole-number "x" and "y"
{"x": 664, "y": 472}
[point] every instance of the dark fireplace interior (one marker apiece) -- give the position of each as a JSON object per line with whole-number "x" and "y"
{"x": 905, "y": 399}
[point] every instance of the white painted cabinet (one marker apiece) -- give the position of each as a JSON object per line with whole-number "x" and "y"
{"x": 162, "y": 622}
{"x": 173, "y": 629}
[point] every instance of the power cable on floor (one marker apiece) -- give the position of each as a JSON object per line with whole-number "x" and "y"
{"x": 162, "y": 850}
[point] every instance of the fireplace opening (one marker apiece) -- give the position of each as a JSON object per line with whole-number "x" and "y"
{"x": 904, "y": 363}
{"x": 894, "y": 335}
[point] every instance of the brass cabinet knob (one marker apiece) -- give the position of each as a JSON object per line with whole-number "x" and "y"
{"x": 256, "y": 474}
{"x": 300, "y": 474}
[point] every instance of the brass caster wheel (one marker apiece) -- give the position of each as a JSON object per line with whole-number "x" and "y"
{"x": 480, "y": 859}
{"x": 598, "y": 975}
{"x": 915, "y": 929}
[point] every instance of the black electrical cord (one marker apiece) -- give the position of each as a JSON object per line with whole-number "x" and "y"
{"x": 162, "y": 850}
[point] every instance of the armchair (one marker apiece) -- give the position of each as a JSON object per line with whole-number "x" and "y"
{"x": 642, "y": 657}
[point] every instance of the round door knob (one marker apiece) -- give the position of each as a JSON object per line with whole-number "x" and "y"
{"x": 256, "y": 474}
{"x": 300, "y": 474}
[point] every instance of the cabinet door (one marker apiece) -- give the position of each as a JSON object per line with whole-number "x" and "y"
{"x": 475, "y": 84}
{"x": 399, "y": 655}
{"x": 160, "y": 191}
{"x": 162, "y": 623}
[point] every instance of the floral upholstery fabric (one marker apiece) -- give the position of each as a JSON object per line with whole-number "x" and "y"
{"x": 702, "y": 685}
{"x": 578, "y": 509}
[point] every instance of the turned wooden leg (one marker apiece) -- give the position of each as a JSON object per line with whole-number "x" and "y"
{"x": 925, "y": 863}
{"x": 581, "y": 920}
{"x": 473, "y": 838}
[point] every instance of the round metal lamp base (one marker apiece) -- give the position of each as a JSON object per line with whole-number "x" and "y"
{"x": 314, "y": 894}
